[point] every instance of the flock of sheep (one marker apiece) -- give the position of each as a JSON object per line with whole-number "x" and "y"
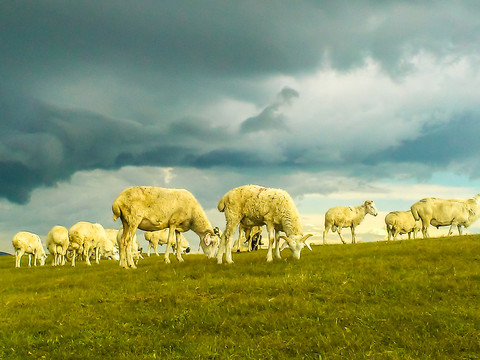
{"x": 164, "y": 214}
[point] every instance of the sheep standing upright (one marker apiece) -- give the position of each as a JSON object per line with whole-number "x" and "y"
{"x": 446, "y": 212}
{"x": 151, "y": 208}
{"x": 254, "y": 205}
{"x": 25, "y": 242}
{"x": 57, "y": 244}
{"x": 401, "y": 222}
{"x": 340, "y": 217}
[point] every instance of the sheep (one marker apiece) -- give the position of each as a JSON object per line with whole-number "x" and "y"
{"x": 401, "y": 222}
{"x": 25, "y": 242}
{"x": 254, "y": 205}
{"x": 251, "y": 233}
{"x": 151, "y": 208}
{"x": 109, "y": 248}
{"x": 57, "y": 244}
{"x": 135, "y": 248}
{"x": 84, "y": 237}
{"x": 445, "y": 212}
{"x": 339, "y": 217}
{"x": 160, "y": 237}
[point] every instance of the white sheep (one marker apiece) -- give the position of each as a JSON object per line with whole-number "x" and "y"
{"x": 401, "y": 222}
{"x": 25, "y": 242}
{"x": 443, "y": 212}
{"x": 151, "y": 208}
{"x": 84, "y": 237}
{"x": 254, "y": 205}
{"x": 160, "y": 237}
{"x": 57, "y": 244}
{"x": 339, "y": 217}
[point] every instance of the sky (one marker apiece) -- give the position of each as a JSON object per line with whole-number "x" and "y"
{"x": 337, "y": 102}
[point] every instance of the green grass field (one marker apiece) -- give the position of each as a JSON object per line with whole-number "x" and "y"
{"x": 416, "y": 299}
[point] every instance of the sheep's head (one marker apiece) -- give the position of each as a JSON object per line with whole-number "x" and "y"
{"x": 41, "y": 256}
{"x": 209, "y": 244}
{"x": 296, "y": 243}
{"x": 370, "y": 207}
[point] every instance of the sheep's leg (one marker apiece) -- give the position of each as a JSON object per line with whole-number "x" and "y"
{"x": 459, "y": 228}
{"x": 395, "y": 234}
{"x": 271, "y": 239}
{"x": 226, "y": 242}
{"x": 179, "y": 253}
{"x": 171, "y": 233}
{"x": 126, "y": 257}
{"x": 325, "y": 235}
{"x": 354, "y": 240}
{"x": 29, "y": 259}
{"x": 339, "y": 231}
{"x": 97, "y": 255}
{"x": 74, "y": 256}
{"x": 87, "y": 254}
{"x": 248, "y": 236}
{"x": 277, "y": 245}
{"x": 155, "y": 248}
{"x": 18, "y": 257}
{"x": 425, "y": 225}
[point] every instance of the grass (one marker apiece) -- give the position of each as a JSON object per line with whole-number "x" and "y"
{"x": 414, "y": 299}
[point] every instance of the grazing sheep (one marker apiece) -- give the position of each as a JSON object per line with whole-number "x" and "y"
{"x": 251, "y": 233}
{"x": 151, "y": 208}
{"x": 110, "y": 250}
{"x": 340, "y": 217}
{"x": 84, "y": 237}
{"x": 254, "y": 205}
{"x": 57, "y": 244}
{"x": 401, "y": 222}
{"x": 160, "y": 237}
{"x": 25, "y": 242}
{"x": 443, "y": 212}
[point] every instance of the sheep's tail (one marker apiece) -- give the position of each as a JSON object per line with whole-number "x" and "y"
{"x": 117, "y": 212}
{"x": 221, "y": 204}
{"x": 415, "y": 212}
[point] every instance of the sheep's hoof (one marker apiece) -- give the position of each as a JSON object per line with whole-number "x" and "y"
{"x": 167, "y": 261}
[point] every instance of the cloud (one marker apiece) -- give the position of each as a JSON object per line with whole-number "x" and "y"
{"x": 271, "y": 117}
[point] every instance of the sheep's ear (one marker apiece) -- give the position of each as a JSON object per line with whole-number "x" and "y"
{"x": 206, "y": 239}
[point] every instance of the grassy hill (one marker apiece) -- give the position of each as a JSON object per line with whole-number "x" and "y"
{"x": 414, "y": 299}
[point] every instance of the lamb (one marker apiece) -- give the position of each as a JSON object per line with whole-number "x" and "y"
{"x": 84, "y": 238}
{"x": 401, "y": 222}
{"x": 339, "y": 217}
{"x": 155, "y": 238}
{"x": 443, "y": 212}
{"x": 151, "y": 208}
{"x": 57, "y": 244}
{"x": 251, "y": 234}
{"x": 25, "y": 242}
{"x": 254, "y": 205}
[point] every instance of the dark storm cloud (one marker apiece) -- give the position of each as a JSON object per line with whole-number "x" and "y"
{"x": 270, "y": 117}
{"x": 228, "y": 38}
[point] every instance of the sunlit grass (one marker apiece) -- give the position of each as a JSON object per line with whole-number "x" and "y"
{"x": 399, "y": 300}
